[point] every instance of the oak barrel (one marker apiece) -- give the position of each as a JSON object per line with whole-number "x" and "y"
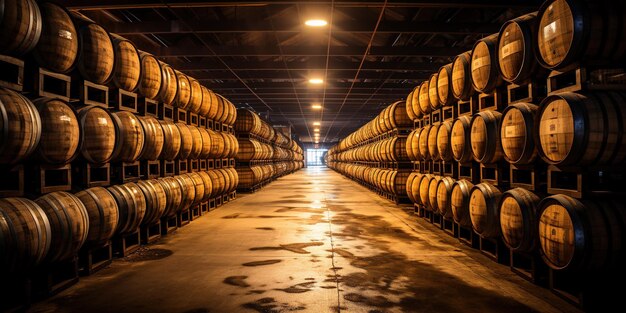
{"x": 583, "y": 129}
{"x": 247, "y": 122}
{"x": 423, "y": 143}
{"x": 444, "y": 147}
{"x": 130, "y": 139}
{"x": 208, "y": 103}
{"x": 433, "y": 91}
{"x": 582, "y": 236}
{"x": 423, "y": 191}
{"x": 485, "y": 137}
{"x": 571, "y": 32}
{"x": 462, "y": 87}
{"x": 103, "y": 215}
{"x": 516, "y": 54}
{"x": 186, "y": 140}
{"x": 424, "y": 98}
{"x": 217, "y": 144}
{"x": 433, "y": 151}
{"x": 127, "y": 67}
{"x": 60, "y": 133}
{"x": 196, "y": 137}
{"x": 518, "y": 219}
{"x": 443, "y": 196}
{"x": 173, "y": 195}
{"x": 409, "y": 106}
{"x": 183, "y": 92}
{"x": 432, "y": 192}
{"x": 132, "y": 207}
{"x": 154, "y": 138}
{"x": 459, "y": 202}
{"x": 485, "y": 210}
{"x": 150, "y": 76}
{"x": 95, "y": 50}
{"x": 26, "y": 234}
{"x": 409, "y": 186}
{"x": 57, "y": 48}
{"x": 20, "y": 126}
{"x": 205, "y": 152}
{"x": 410, "y": 151}
{"x": 209, "y": 185}
{"x": 186, "y": 192}
{"x": 69, "y": 224}
{"x": 198, "y": 184}
{"x": 445, "y": 94}
{"x": 485, "y": 69}
{"x": 20, "y": 21}
{"x": 156, "y": 201}
{"x": 169, "y": 84}
{"x": 195, "y": 100}
{"x": 98, "y": 134}
{"x": 172, "y": 140}
{"x": 460, "y": 140}
{"x": 517, "y": 133}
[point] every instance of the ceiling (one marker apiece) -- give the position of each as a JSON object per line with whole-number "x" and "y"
{"x": 260, "y": 54}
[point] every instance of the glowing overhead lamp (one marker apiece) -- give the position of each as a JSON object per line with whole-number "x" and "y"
{"x": 316, "y": 124}
{"x": 316, "y": 23}
{"x": 317, "y": 130}
{"x": 316, "y": 81}
{"x": 316, "y": 106}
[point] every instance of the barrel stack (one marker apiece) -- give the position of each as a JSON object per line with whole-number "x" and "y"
{"x": 377, "y": 154}
{"x": 522, "y": 147}
{"x": 125, "y": 146}
{"x": 265, "y": 153}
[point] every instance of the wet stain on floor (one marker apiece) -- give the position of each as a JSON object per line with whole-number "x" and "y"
{"x": 264, "y": 228}
{"x": 293, "y": 247}
{"x": 239, "y": 281}
{"x": 261, "y": 263}
{"x": 270, "y": 305}
{"x": 298, "y": 288}
{"x": 148, "y": 254}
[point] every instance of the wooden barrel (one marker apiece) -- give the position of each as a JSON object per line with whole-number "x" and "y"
{"x": 432, "y": 192}
{"x": 409, "y": 106}
{"x": 424, "y": 98}
{"x": 171, "y": 140}
{"x": 234, "y": 148}
{"x": 459, "y": 202}
{"x": 195, "y": 100}
{"x": 247, "y": 176}
{"x": 95, "y": 50}
{"x": 571, "y": 31}
{"x": 150, "y": 76}
{"x": 187, "y": 194}
{"x": 183, "y": 92}
{"x": 20, "y": 127}
{"x": 127, "y": 67}
{"x": 485, "y": 137}
{"x": 103, "y": 215}
{"x": 196, "y": 137}
{"x": 69, "y": 224}
{"x": 173, "y": 195}
{"x": 397, "y": 116}
{"x": 231, "y": 111}
{"x": 132, "y": 207}
{"x": 583, "y": 129}
{"x": 582, "y": 236}
{"x": 444, "y": 147}
{"x": 205, "y": 152}
{"x": 445, "y": 93}
{"x": 517, "y": 133}
{"x": 485, "y": 69}
{"x": 219, "y": 181}
{"x": 460, "y": 140}
{"x": 207, "y": 102}
{"x": 154, "y": 138}
{"x": 443, "y": 197}
{"x": 423, "y": 143}
{"x": 57, "y": 48}
{"x": 98, "y": 134}
{"x": 433, "y": 92}
{"x": 247, "y": 150}
{"x": 433, "y": 151}
{"x": 217, "y": 144}
{"x": 186, "y": 140}
{"x": 410, "y": 140}
{"x": 518, "y": 219}
{"x": 20, "y": 22}
{"x": 423, "y": 191}
{"x": 485, "y": 210}
{"x": 462, "y": 87}
{"x": 409, "y": 186}
{"x": 26, "y": 234}
{"x": 516, "y": 57}
{"x": 198, "y": 184}
{"x": 156, "y": 201}
{"x": 221, "y": 114}
{"x": 60, "y": 133}
{"x": 235, "y": 177}
{"x": 247, "y": 122}
{"x": 130, "y": 139}
{"x": 169, "y": 84}
{"x": 209, "y": 185}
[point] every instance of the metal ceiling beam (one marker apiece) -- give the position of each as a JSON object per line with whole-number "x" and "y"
{"x": 241, "y": 26}
{"x": 300, "y": 50}
{"x": 130, "y": 4}
{"x": 334, "y": 65}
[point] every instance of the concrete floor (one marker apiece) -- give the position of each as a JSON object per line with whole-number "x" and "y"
{"x": 313, "y": 241}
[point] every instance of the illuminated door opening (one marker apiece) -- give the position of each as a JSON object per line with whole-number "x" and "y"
{"x": 315, "y": 157}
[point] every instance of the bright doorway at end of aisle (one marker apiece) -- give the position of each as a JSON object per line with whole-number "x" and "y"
{"x": 315, "y": 157}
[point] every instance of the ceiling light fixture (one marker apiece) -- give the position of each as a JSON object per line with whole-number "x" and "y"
{"x": 316, "y": 124}
{"x": 317, "y": 130}
{"x": 316, "y": 23}
{"x": 316, "y": 106}
{"x": 316, "y": 81}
